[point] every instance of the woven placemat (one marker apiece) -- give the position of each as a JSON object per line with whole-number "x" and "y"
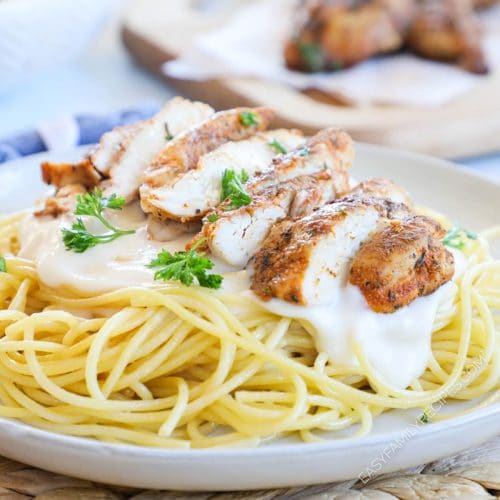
{"x": 471, "y": 474}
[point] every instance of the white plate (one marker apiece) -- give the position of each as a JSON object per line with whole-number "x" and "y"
{"x": 396, "y": 441}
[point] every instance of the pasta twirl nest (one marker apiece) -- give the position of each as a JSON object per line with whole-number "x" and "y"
{"x": 198, "y": 281}
{"x": 167, "y": 366}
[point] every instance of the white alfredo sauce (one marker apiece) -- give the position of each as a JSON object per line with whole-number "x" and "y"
{"x": 118, "y": 264}
{"x": 396, "y": 345}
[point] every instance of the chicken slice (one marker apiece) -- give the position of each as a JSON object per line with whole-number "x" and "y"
{"x": 295, "y": 184}
{"x": 184, "y": 152}
{"x": 448, "y": 30}
{"x": 62, "y": 202}
{"x": 192, "y": 194}
{"x": 127, "y": 170}
{"x": 112, "y": 146}
{"x": 307, "y": 260}
{"x": 330, "y": 149}
{"x": 382, "y": 188}
{"x": 235, "y": 236}
{"x": 481, "y": 4}
{"x": 64, "y": 174}
{"x": 400, "y": 262}
{"x": 331, "y": 35}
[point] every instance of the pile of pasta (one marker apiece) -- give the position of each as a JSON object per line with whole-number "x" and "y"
{"x": 178, "y": 367}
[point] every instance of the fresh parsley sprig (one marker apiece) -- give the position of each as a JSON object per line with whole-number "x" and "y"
{"x": 278, "y": 147}
{"x": 168, "y": 134}
{"x": 249, "y": 118}
{"x": 185, "y": 266}
{"x": 455, "y": 237}
{"x": 424, "y": 418}
{"x": 312, "y": 55}
{"x": 77, "y": 237}
{"x": 233, "y": 190}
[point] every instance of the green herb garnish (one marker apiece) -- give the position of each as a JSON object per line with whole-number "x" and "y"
{"x": 312, "y": 55}
{"x": 185, "y": 266}
{"x": 249, "y": 118}
{"x": 78, "y": 238}
{"x": 278, "y": 147}
{"x": 335, "y": 65}
{"x": 212, "y": 217}
{"x": 424, "y": 418}
{"x": 232, "y": 189}
{"x": 3, "y": 265}
{"x": 168, "y": 135}
{"x": 455, "y": 237}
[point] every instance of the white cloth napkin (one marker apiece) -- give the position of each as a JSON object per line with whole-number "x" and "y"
{"x": 250, "y": 45}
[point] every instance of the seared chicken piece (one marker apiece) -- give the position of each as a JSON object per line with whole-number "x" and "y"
{"x": 448, "y": 30}
{"x": 192, "y": 194}
{"x": 236, "y": 236}
{"x": 330, "y": 149}
{"x": 335, "y": 34}
{"x": 182, "y": 154}
{"x": 295, "y": 184}
{"x": 170, "y": 230}
{"x": 305, "y": 261}
{"x": 402, "y": 261}
{"x": 63, "y": 201}
{"x": 127, "y": 168}
{"x": 112, "y": 146}
{"x": 480, "y": 4}
{"x": 64, "y": 174}
{"x": 382, "y": 188}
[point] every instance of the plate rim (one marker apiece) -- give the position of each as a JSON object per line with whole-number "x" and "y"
{"x": 244, "y": 453}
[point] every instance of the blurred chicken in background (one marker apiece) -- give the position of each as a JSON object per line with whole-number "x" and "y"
{"x": 335, "y": 34}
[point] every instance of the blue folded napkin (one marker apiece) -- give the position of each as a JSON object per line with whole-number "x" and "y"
{"x": 68, "y": 132}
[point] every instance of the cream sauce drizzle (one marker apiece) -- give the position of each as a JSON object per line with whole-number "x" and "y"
{"x": 105, "y": 267}
{"x": 396, "y": 345}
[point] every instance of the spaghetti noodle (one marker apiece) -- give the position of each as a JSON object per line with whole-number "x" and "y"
{"x": 171, "y": 366}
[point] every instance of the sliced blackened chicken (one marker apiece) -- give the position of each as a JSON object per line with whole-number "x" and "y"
{"x": 330, "y": 149}
{"x": 236, "y": 236}
{"x": 305, "y": 261}
{"x": 183, "y": 153}
{"x": 448, "y": 30}
{"x": 112, "y": 146}
{"x": 382, "y": 188}
{"x": 70, "y": 180}
{"x": 294, "y": 185}
{"x": 127, "y": 167}
{"x": 64, "y": 174}
{"x": 190, "y": 195}
{"x": 62, "y": 202}
{"x": 400, "y": 262}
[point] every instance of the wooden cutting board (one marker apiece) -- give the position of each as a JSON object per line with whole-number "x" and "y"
{"x": 156, "y": 31}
